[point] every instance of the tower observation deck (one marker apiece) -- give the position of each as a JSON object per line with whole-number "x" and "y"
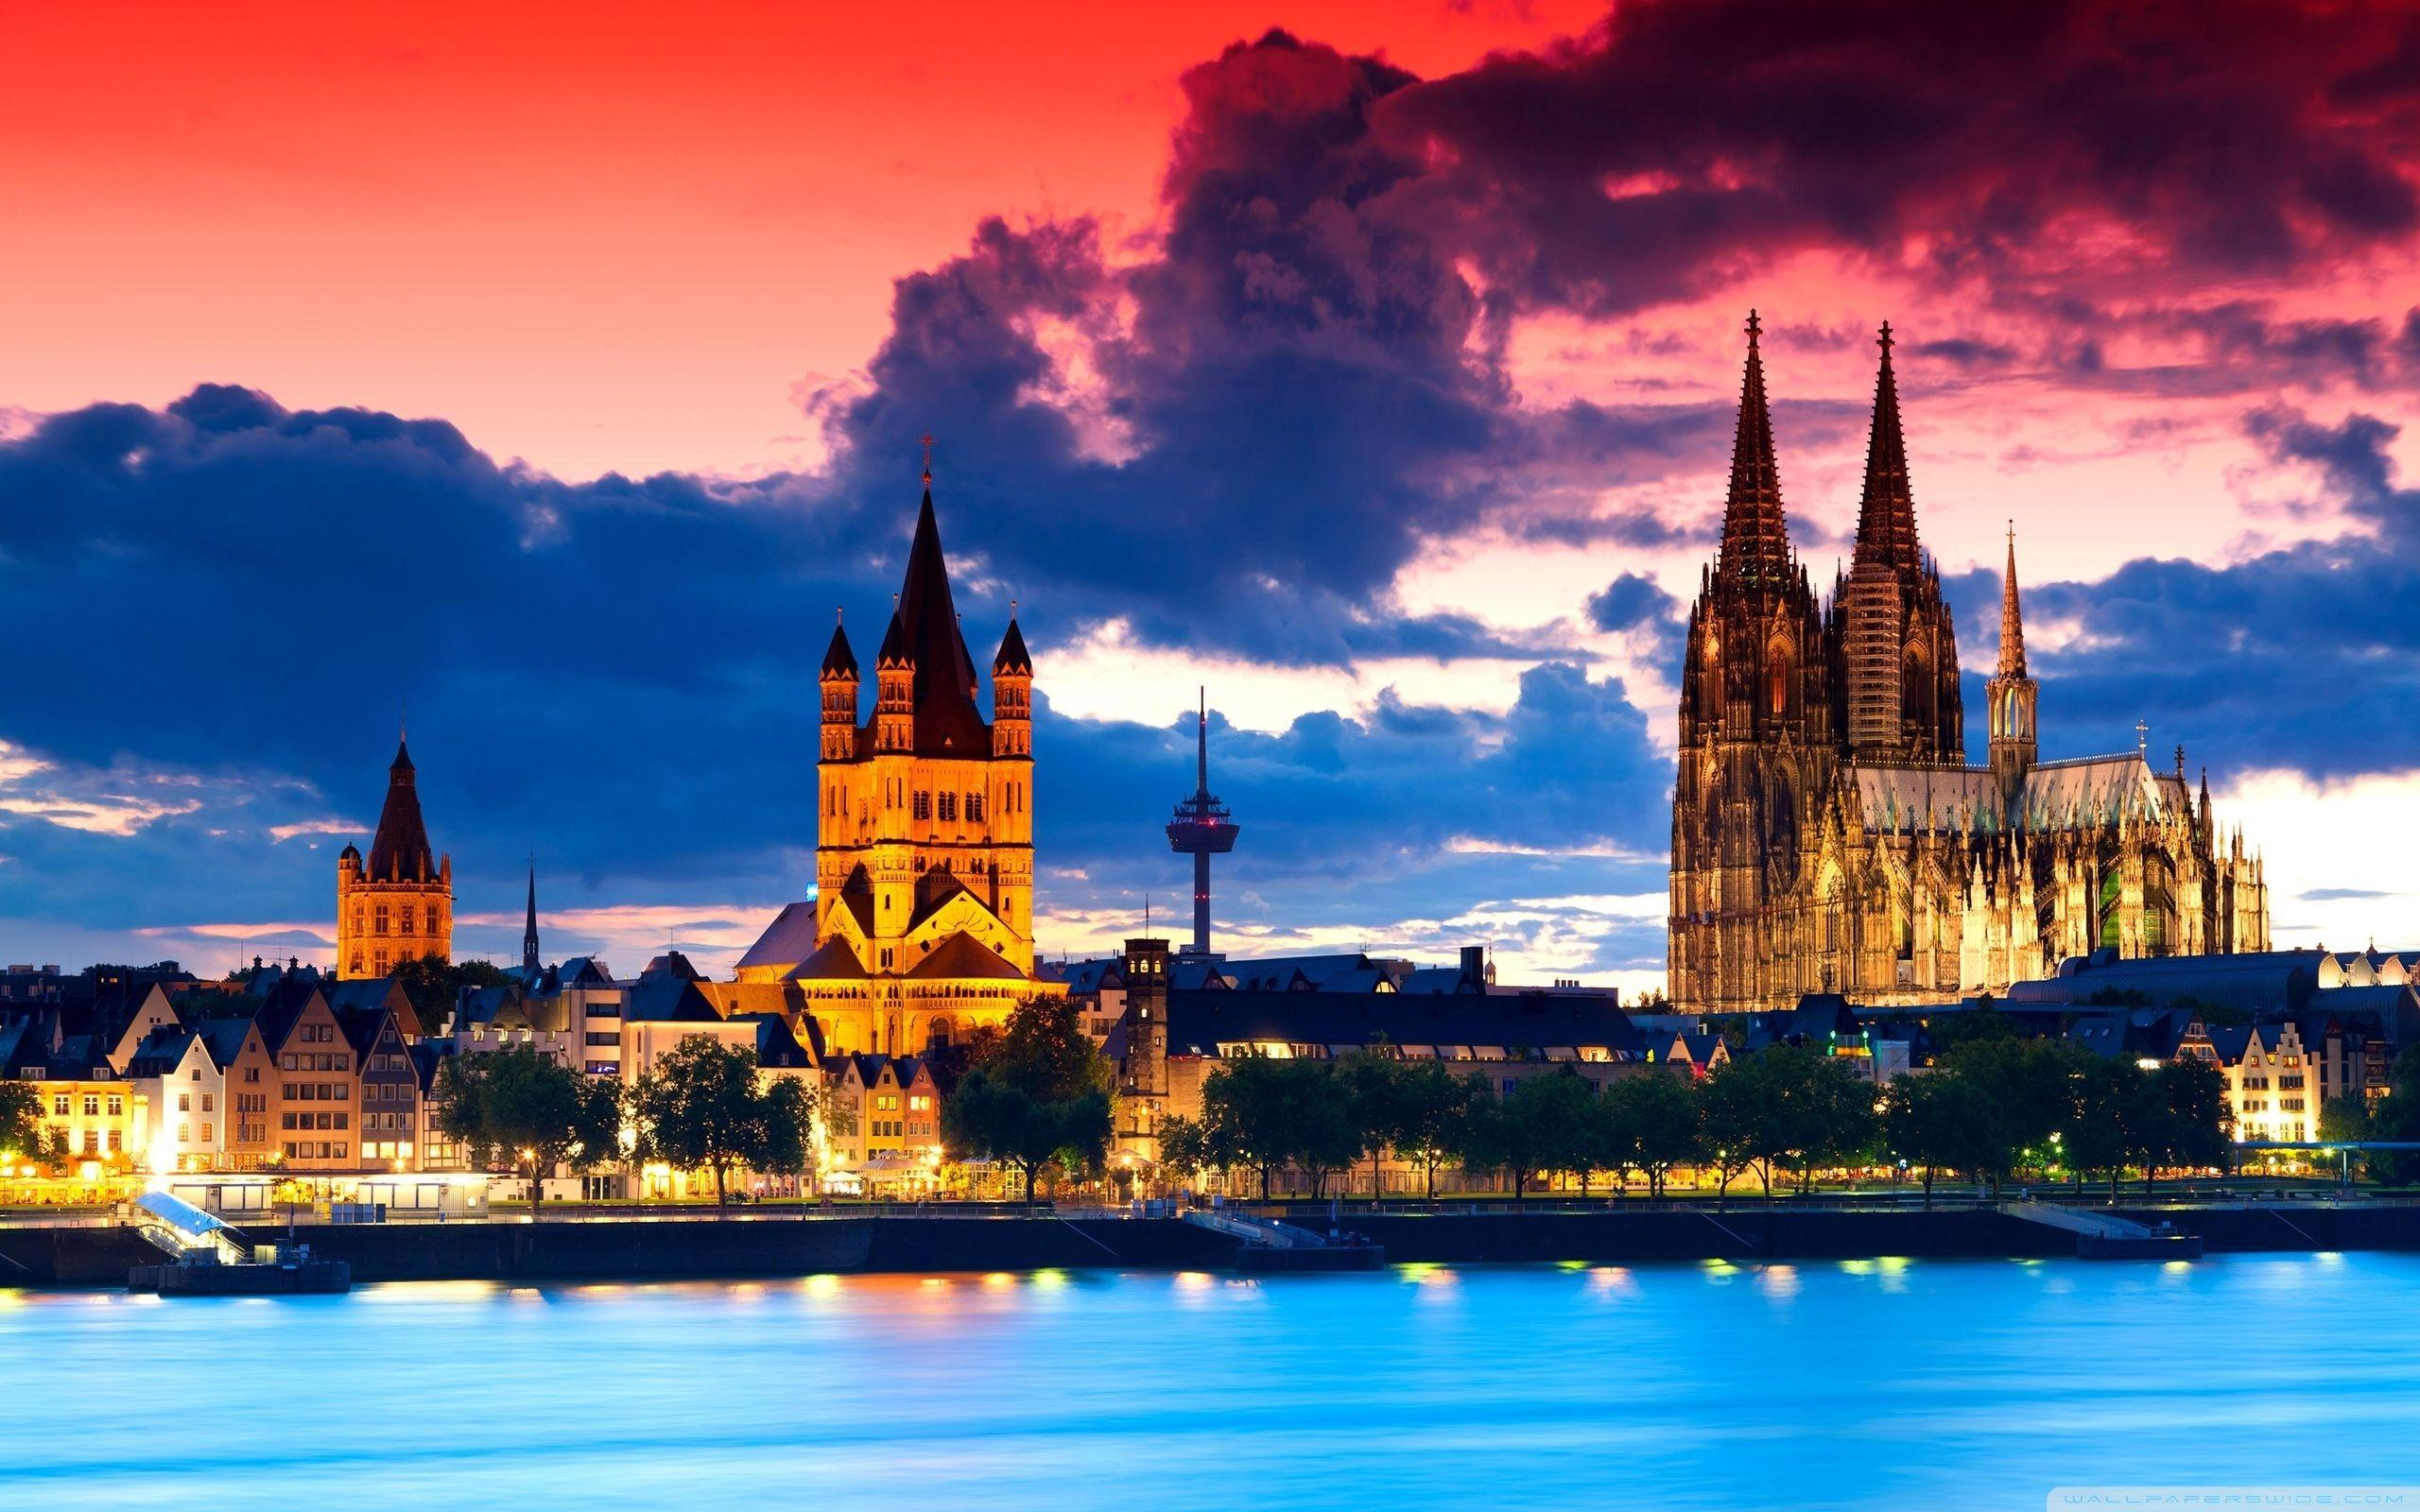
{"x": 1202, "y": 828}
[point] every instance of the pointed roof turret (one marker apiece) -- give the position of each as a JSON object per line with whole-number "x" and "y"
{"x": 1013, "y": 660}
{"x": 1756, "y": 536}
{"x": 893, "y": 652}
{"x": 2011, "y": 616}
{"x": 1886, "y": 515}
{"x": 400, "y": 846}
{"x": 840, "y": 659}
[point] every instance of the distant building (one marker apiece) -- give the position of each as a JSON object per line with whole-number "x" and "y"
{"x": 1827, "y": 833}
{"x": 1170, "y": 1039}
{"x": 398, "y": 905}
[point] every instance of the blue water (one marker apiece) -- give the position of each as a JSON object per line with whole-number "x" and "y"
{"x": 1871, "y": 1385}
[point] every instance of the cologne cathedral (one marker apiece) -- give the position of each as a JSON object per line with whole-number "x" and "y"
{"x": 1828, "y": 835}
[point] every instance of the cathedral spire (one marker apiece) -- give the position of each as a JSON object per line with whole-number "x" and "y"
{"x": 1755, "y": 535}
{"x": 2011, "y": 616}
{"x": 530, "y": 929}
{"x": 1885, "y": 516}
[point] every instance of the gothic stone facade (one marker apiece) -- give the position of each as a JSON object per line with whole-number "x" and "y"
{"x": 1827, "y": 833}
{"x": 922, "y": 927}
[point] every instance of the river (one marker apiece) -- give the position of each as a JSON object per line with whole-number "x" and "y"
{"x": 1887, "y": 1384}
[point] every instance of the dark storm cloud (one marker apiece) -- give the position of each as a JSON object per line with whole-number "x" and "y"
{"x": 2307, "y": 657}
{"x": 1685, "y": 142}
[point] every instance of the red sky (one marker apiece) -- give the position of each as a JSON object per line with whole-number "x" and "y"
{"x": 2155, "y": 280}
{"x": 607, "y": 236}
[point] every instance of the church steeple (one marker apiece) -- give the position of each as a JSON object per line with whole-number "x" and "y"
{"x": 1886, "y": 515}
{"x": 1755, "y": 533}
{"x": 2011, "y": 616}
{"x": 529, "y": 927}
{"x": 2011, "y": 693}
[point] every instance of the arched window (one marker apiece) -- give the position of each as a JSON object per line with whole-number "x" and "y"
{"x": 1778, "y": 687}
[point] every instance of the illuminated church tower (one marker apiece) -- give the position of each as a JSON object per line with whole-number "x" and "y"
{"x": 922, "y": 926}
{"x": 399, "y": 906}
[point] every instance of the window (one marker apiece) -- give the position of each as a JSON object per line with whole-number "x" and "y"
{"x": 59, "y": 1105}
{"x": 922, "y": 806}
{"x": 974, "y": 808}
{"x": 185, "y": 1133}
{"x": 407, "y": 916}
{"x": 949, "y": 808}
{"x": 117, "y": 1141}
{"x": 117, "y": 1105}
{"x": 185, "y": 1102}
{"x": 209, "y": 1104}
{"x": 92, "y": 1105}
{"x": 378, "y": 918}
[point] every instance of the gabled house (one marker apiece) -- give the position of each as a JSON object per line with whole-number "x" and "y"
{"x": 1698, "y": 1052}
{"x": 249, "y": 1073}
{"x": 185, "y": 1090}
{"x": 390, "y": 1085}
{"x": 319, "y": 1081}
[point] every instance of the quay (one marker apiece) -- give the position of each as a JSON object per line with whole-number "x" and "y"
{"x": 624, "y": 1246}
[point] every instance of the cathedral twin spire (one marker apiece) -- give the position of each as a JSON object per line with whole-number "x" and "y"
{"x": 1755, "y": 535}
{"x": 1886, "y": 515}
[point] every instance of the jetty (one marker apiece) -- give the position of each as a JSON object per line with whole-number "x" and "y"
{"x": 2107, "y": 1236}
{"x": 210, "y": 1256}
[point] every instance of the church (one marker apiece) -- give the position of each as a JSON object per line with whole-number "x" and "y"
{"x": 398, "y": 905}
{"x": 1828, "y": 833}
{"x": 920, "y": 928}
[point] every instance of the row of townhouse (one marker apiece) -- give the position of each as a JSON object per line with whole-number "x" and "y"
{"x": 297, "y": 1071}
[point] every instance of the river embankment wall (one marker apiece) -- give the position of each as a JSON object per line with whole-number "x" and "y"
{"x": 648, "y": 1250}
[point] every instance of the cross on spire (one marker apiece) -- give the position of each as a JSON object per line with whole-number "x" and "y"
{"x": 2142, "y": 738}
{"x": 926, "y": 442}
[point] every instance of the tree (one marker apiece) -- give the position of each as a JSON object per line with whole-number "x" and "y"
{"x": 1936, "y": 1120}
{"x": 990, "y": 1118}
{"x": 1786, "y": 1103}
{"x": 2117, "y": 1118}
{"x": 1045, "y": 1052}
{"x": 1540, "y": 1126}
{"x": 1246, "y": 1104}
{"x": 2026, "y": 1091}
{"x": 1038, "y": 1092}
{"x": 1375, "y": 1077}
{"x": 2193, "y": 1123}
{"x": 1428, "y": 1115}
{"x": 21, "y": 1130}
{"x": 519, "y": 1110}
{"x": 1733, "y": 1101}
{"x": 2398, "y": 1117}
{"x": 705, "y": 1105}
{"x": 1185, "y": 1144}
{"x": 1322, "y": 1134}
{"x": 1656, "y": 1124}
{"x": 434, "y": 985}
{"x": 2345, "y": 1119}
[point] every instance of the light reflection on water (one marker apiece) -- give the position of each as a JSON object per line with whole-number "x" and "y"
{"x": 1858, "y": 1384}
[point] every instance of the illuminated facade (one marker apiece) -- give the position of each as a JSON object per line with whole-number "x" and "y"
{"x": 922, "y": 926}
{"x": 398, "y": 906}
{"x": 1827, "y": 833}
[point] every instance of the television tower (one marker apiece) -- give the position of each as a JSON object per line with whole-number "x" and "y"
{"x": 1202, "y": 829}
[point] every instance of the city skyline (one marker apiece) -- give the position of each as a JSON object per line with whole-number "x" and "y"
{"x": 1415, "y": 479}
